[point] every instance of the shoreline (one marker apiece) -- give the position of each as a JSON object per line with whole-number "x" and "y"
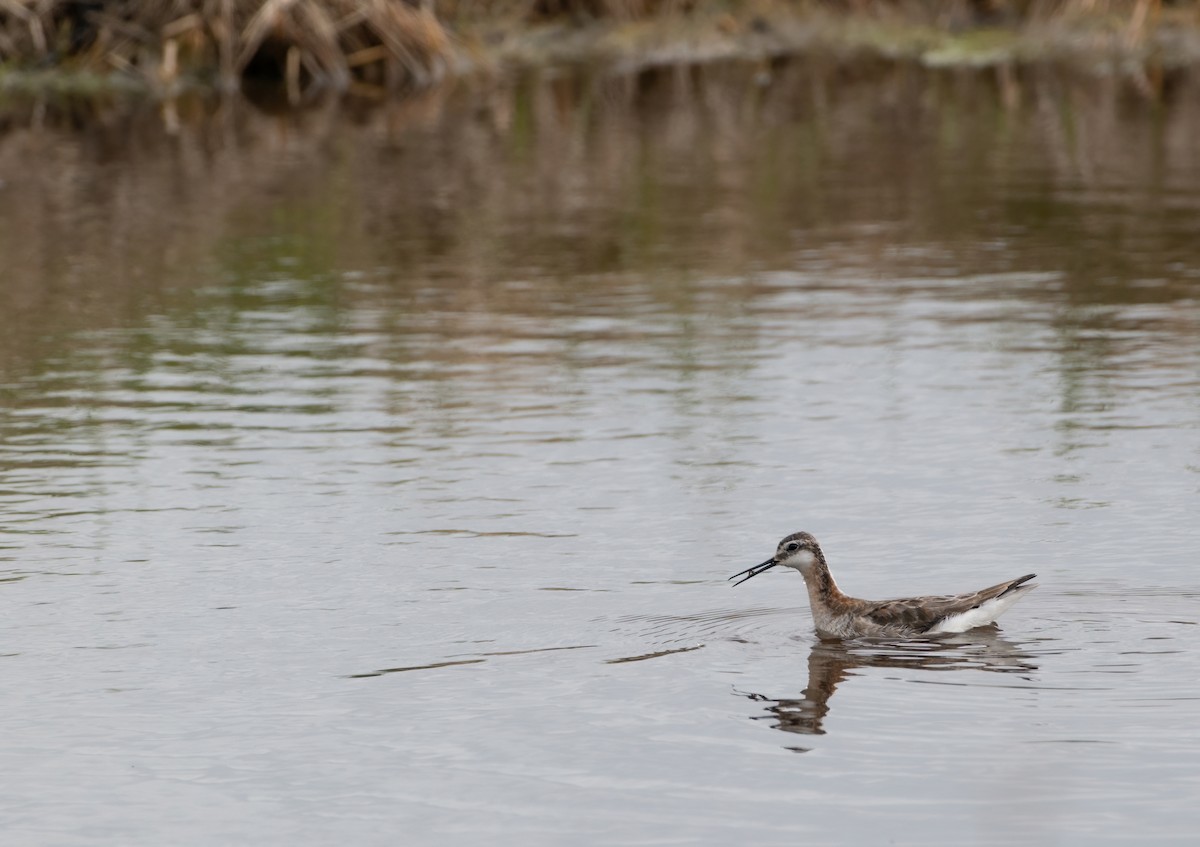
{"x": 725, "y": 37}
{"x": 485, "y": 46}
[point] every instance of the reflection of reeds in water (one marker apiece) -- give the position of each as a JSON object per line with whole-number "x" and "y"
{"x": 635, "y": 179}
{"x": 831, "y": 662}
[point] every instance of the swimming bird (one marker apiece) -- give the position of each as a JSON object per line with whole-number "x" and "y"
{"x": 836, "y": 615}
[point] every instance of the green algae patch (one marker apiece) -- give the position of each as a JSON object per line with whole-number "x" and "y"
{"x": 68, "y": 83}
{"x": 975, "y": 49}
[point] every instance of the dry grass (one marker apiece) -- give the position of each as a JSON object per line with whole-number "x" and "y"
{"x": 385, "y": 44}
{"x": 332, "y": 42}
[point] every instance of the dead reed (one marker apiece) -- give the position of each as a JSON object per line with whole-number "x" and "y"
{"x": 385, "y": 44}
{"x": 332, "y": 42}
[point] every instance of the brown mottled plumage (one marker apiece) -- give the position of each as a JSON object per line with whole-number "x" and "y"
{"x": 837, "y": 615}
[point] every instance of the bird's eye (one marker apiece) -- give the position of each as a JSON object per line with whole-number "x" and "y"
{"x": 792, "y": 548}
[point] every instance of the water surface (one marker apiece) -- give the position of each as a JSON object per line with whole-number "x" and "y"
{"x": 374, "y": 473}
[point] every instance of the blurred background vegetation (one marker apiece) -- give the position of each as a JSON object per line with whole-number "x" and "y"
{"x": 167, "y": 45}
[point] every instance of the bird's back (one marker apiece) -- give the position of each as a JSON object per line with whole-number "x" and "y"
{"x": 930, "y": 615}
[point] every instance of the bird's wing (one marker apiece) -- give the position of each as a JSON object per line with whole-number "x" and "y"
{"x": 922, "y": 613}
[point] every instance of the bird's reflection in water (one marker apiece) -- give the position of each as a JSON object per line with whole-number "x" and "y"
{"x": 830, "y": 662}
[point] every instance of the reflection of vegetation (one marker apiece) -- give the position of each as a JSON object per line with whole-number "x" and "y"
{"x": 379, "y": 44}
{"x": 533, "y": 228}
{"x": 508, "y": 198}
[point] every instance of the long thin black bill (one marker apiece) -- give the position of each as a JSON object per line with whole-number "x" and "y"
{"x": 754, "y": 571}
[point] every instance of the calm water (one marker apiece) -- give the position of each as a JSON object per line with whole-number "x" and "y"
{"x": 374, "y": 473}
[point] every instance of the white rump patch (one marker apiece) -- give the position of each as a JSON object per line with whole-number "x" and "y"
{"x": 981, "y": 615}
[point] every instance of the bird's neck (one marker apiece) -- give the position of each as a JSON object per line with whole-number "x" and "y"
{"x": 822, "y": 590}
